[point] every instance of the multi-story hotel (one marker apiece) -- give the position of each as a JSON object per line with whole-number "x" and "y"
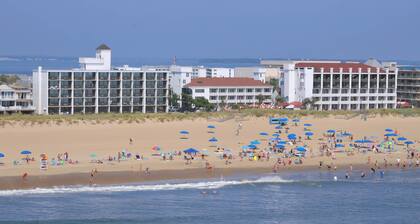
{"x": 95, "y": 87}
{"x": 14, "y": 99}
{"x": 230, "y": 90}
{"x": 334, "y": 85}
{"x": 409, "y": 85}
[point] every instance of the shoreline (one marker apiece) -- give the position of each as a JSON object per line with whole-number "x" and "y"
{"x": 137, "y": 177}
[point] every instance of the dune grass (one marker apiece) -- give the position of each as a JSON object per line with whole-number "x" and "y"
{"x": 30, "y": 120}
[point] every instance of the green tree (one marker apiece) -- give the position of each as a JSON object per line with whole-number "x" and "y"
{"x": 174, "y": 100}
{"x": 260, "y": 98}
{"x": 187, "y": 102}
{"x": 8, "y": 79}
{"x": 308, "y": 103}
{"x": 203, "y": 103}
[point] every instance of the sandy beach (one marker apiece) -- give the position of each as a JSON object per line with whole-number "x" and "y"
{"x": 87, "y": 142}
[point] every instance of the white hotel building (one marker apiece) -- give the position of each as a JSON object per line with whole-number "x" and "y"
{"x": 96, "y": 87}
{"x": 230, "y": 90}
{"x": 334, "y": 85}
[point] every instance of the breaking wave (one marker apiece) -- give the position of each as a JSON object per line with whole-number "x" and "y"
{"x": 155, "y": 187}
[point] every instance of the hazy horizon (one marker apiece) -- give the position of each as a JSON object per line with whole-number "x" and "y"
{"x": 307, "y": 29}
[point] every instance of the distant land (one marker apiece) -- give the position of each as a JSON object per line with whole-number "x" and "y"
{"x": 25, "y": 64}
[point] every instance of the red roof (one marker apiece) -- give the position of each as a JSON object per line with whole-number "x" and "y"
{"x": 336, "y": 67}
{"x": 225, "y": 82}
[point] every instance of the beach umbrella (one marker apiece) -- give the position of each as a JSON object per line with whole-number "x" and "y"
{"x": 280, "y": 146}
{"x": 276, "y": 135}
{"x": 330, "y": 131}
{"x": 282, "y": 142}
{"x": 255, "y": 142}
{"x": 275, "y": 139}
{"x": 191, "y": 151}
{"x": 296, "y": 120}
{"x": 390, "y": 135}
{"x": 278, "y": 127}
{"x": 156, "y": 148}
{"x": 363, "y": 141}
{"x": 25, "y": 152}
{"x": 263, "y": 133}
{"x": 251, "y": 146}
{"x": 213, "y": 140}
{"x": 93, "y": 155}
{"x": 211, "y": 126}
{"x": 245, "y": 147}
{"x": 402, "y": 139}
{"x": 388, "y": 130}
{"x": 409, "y": 142}
{"x": 309, "y": 133}
{"x": 284, "y": 119}
{"x": 307, "y": 125}
{"x": 347, "y": 134}
{"x": 300, "y": 149}
{"x": 184, "y": 132}
{"x": 291, "y": 136}
{"x": 339, "y": 145}
{"x": 2, "y": 155}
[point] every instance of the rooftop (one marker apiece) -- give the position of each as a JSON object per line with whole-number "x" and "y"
{"x": 225, "y": 82}
{"x": 103, "y": 47}
{"x": 336, "y": 66}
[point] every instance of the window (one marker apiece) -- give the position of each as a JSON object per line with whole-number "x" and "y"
{"x": 240, "y": 90}
{"x": 258, "y": 90}
{"x": 267, "y": 90}
{"x": 231, "y": 90}
{"x": 249, "y": 90}
{"x": 213, "y": 90}
{"x": 249, "y": 97}
{"x": 213, "y": 97}
{"x": 199, "y": 90}
{"x": 231, "y": 97}
{"x": 240, "y": 97}
{"x": 222, "y": 90}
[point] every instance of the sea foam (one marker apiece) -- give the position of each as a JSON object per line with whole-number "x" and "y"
{"x": 151, "y": 187}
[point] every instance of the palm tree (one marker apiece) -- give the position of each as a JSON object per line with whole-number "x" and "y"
{"x": 308, "y": 103}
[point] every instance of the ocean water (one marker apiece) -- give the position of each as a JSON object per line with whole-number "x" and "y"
{"x": 25, "y": 65}
{"x": 303, "y": 197}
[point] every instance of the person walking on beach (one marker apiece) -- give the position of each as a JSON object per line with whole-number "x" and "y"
{"x": 131, "y": 141}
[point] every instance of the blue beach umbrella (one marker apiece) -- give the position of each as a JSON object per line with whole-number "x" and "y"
{"x": 251, "y": 146}
{"x": 255, "y": 142}
{"x": 300, "y": 149}
{"x": 184, "y": 132}
{"x": 296, "y": 120}
{"x": 191, "y": 151}
{"x": 263, "y": 133}
{"x": 2, "y": 155}
{"x": 390, "y": 135}
{"x": 280, "y": 146}
{"x": 347, "y": 134}
{"x": 339, "y": 145}
{"x": 401, "y": 139}
{"x": 309, "y": 133}
{"x": 276, "y": 135}
{"x": 275, "y": 139}
{"x": 25, "y": 152}
{"x": 291, "y": 136}
{"x": 388, "y": 130}
{"x": 213, "y": 140}
{"x": 363, "y": 141}
{"x": 282, "y": 142}
{"x": 307, "y": 125}
{"x": 211, "y": 126}
{"x": 409, "y": 142}
{"x": 278, "y": 127}
{"x": 330, "y": 131}
{"x": 284, "y": 119}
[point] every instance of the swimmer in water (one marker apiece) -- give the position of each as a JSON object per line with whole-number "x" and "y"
{"x": 347, "y": 175}
{"x": 362, "y": 175}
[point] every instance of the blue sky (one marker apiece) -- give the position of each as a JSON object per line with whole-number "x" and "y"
{"x": 346, "y": 29}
